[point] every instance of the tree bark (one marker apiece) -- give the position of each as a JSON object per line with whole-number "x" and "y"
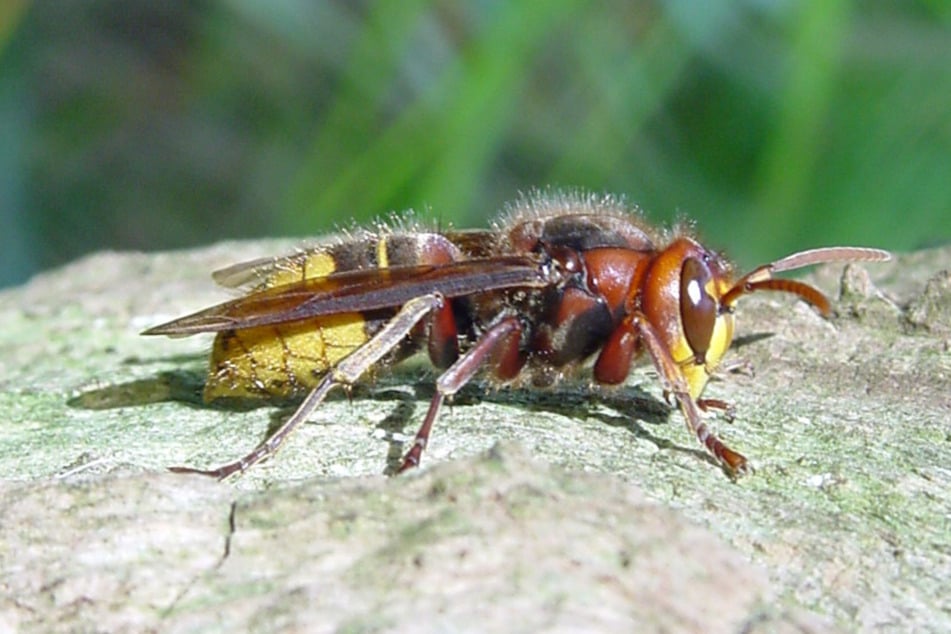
{"x": 570, "y": 508}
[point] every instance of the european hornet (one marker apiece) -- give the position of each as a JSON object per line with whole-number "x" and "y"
{"x": 561, "y": 279}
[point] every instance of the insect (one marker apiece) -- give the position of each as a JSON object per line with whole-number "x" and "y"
{"x": 561, "y": 280}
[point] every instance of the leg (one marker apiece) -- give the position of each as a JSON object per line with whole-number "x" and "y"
{"x": 737, "y": 366}
{"x": 728, "y": 409}
{"x": 347, "y": 372}
{"x": 734, "y": 462}
{"x": 459, "y": 373}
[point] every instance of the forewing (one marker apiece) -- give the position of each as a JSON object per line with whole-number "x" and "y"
{"x": 353, "y": 291}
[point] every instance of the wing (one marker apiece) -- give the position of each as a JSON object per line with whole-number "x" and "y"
{"x": 255, "y": 273}
{"x": 249, "y": 272}
{"x": 353, "y": 291}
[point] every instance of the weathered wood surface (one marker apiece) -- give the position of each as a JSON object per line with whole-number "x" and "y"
{"x": 616, "y": 521}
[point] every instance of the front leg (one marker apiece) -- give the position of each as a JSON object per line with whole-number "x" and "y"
{"x": 676, "y": 384}
{"x": 733, "y": 366}
{"x": 737, "y": 366}
{"x": 728, "y": 409}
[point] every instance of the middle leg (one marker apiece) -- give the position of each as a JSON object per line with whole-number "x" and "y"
{"x": 499, "y": 341}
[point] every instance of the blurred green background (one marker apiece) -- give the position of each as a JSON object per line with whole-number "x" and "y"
{"x": 776, "y": 125}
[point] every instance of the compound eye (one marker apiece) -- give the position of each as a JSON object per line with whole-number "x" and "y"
{"x": 698, "y": 310}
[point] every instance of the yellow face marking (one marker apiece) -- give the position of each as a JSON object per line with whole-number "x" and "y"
{"x": 720, "y": 340}
{"x": 698, "y": 375}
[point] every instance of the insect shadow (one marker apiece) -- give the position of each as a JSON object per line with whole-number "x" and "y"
{"x": 183, "y": 386}
{"x": 628, "y": 407}
{"x": 742, "y": 341}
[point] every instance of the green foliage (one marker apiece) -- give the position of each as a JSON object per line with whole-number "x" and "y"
{"x": 775, "y": 125}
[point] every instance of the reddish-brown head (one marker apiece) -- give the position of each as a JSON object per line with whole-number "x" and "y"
{"x": 681, "y": 296}
{"x": 688, "y": 295}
